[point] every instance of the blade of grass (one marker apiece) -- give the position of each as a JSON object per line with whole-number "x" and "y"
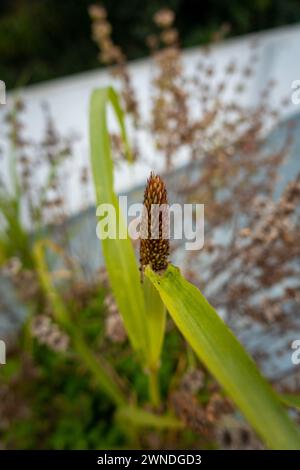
{"x": 118, "y": 253}
{"x": 226, "y": 359}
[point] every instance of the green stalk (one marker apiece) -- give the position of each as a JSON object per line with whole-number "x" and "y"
{"x": 154, "y": 391}
{"x": 156, "y": 318}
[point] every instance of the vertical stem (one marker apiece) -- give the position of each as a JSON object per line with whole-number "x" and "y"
{"x": 156, "y": 320}
{"x": 154, "y": 388}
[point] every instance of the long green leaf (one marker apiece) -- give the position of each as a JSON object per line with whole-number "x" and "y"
{"x": 118, "y": 253}
{"x": 224, "y": 356}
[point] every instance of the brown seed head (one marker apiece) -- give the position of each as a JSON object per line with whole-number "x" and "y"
{"x": 164, "y": 18}
{"x": 154, "y": 251}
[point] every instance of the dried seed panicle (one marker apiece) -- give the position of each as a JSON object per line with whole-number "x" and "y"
{"x": 154, "y": 251}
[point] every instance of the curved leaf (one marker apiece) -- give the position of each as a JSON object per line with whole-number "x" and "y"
{"x": 226, "y": 359}
{"x": 118, "y": 253}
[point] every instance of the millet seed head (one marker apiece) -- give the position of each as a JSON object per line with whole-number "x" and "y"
{"x": 154, "y": 251}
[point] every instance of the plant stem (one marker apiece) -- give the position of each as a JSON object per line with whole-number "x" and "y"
{"x": 156, "y": 320}
{"x": 154, "y": 388}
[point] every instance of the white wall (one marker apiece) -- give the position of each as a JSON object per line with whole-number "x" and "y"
{"x": 279, "y": 53}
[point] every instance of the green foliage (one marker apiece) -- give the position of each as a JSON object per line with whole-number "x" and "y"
{"x": 14, "y": 239}
{"x": 65, "y": 407}
{"x": 66, "y": 410}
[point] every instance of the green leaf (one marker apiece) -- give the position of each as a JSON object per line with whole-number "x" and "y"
{"x": 226, "y": 359}
{"x": 118, "y": 253}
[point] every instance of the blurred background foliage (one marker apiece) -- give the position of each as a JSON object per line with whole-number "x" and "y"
{"x": 44, "y": 39}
